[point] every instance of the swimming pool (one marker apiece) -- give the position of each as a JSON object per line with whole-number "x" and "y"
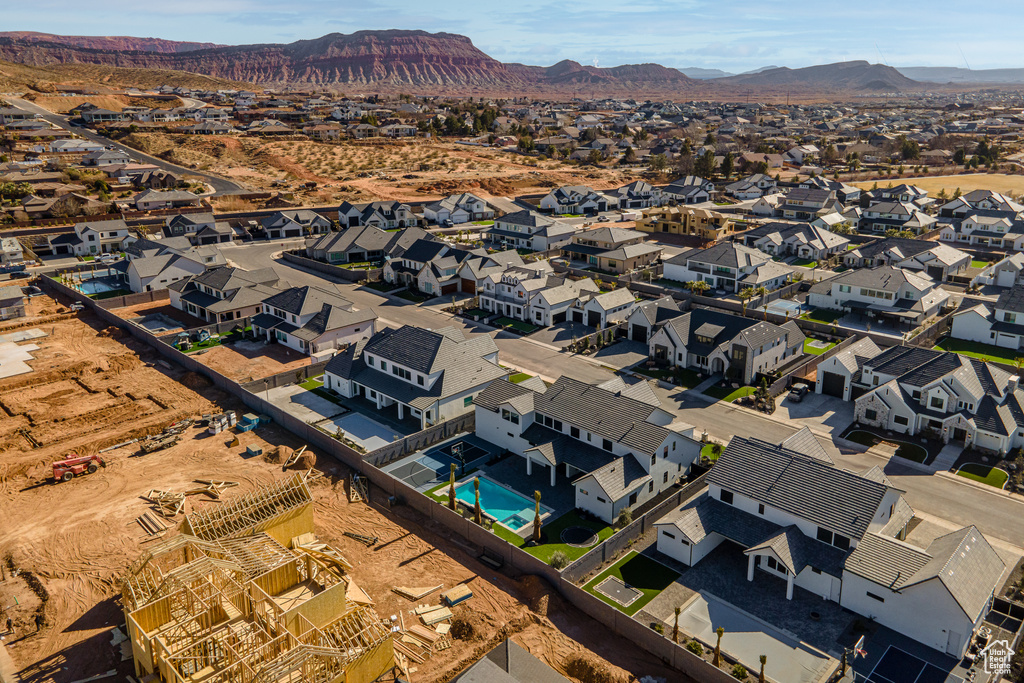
{"x": 504, "y": 505}
{"x": 97, "y": 286}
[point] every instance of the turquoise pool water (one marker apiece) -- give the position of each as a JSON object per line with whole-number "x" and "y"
{"x": 98, "y": 286}
{"x": 508, "y": 507}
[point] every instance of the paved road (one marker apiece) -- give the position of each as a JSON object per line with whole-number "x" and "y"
{"x": 221, "y": 186}
{"x": 938, "y": 497}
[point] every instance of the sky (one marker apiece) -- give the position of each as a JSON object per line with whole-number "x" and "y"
{"x": 733, "y": 35}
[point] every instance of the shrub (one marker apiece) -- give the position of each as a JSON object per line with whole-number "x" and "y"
{"x": 695, "y": 647}
{"x": 559, "y": 560}
{"x": 739, "y": 672}
{"x": 659, "y": 627}
{"x": 625, "y": 517}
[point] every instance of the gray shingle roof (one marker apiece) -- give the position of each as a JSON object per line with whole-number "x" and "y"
{"x": 305, "y": 300}
{"x": 814, "y": 490}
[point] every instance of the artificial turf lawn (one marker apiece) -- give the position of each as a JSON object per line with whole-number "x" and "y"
{"x": 814, "y": 351}
{"x": 727, "y": 394}
{"x": 984, "y": 352}
{"x": 636, "y": 571}
{"x": 993, "y": 476}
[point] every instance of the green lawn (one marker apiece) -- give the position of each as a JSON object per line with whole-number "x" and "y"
{"x": 477, "y": 312}
{"x": 993, "y": 476}
{"x": 728, "y": 394}
{"x": 410, "y": 296}
{"x": 637, "y": 571}
{"x": 823, "y": 315}
{"x": 519, "y": 377}
{"x": 984, "y": 352}
{"x": 906, "y": 450}
{"x": 323, "y": 393}
{"x": 525, "y": 328}
{"x": 805, "y": 263}
{"x": 979, "y": 264}
{"x": 209, "y": 343}
{"x": 813, "y": 350}
{"x": 87, "y": 258}
{"x": 851, "y": 247}
{"x": 684, "y": 377}
{"x": 707, "y": 451}
{"x": 380, "y": 285}
{"x": 483, "y": 222}
{"x": 313, "y": 383}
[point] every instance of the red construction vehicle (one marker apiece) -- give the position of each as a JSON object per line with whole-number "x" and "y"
{"x": 69, "y": 468}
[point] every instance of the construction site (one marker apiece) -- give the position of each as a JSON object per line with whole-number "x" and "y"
{"x": 189, "y": 545}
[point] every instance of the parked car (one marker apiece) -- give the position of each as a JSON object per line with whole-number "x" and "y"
{"x": 448, "y": 223}
{"x": 798, "y": 392}
{"x": 20, "y": 275}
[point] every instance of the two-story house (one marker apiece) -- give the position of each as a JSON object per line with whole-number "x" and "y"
{"x": 753, "y": 186}
{"x": 713, "y": 342}
{"x": 528, "y": 230}
{"x": 986, "y": 229}
{"x": 804, "y": 240}
{"x": 996, "y": 324}
{"x": 364, "y": 243}
{"x": 295, "y": 223}
{"x": 616, "y": 250}
{"x": 429, "y": 375}
{"x": 838, "y": 535}
{"x": 612, "y": 443}
{"x": 805, "y": 204}
{"x": 680, "y": 220}
{"x": 955, "y": 398}
{"x": 151, "y": 200}
{"x": 312, "y": 321}
{"x": 533, "y": 296}
{"x": 224, "y": 293}
{"x": 602, "y": 309}
{"x": 726, "y": 265}
{"x": 939, "y": 261}
{"x": 92, "y": 237}
{"x": 647, "y": 315}
{"x": 901, "y": 216}
{"x": 638, "y": 194}
{"x": 383, "y": 215}
{"x": 577, "y": 199}
{"x": 689, "y": 189}
{"x": 901, "y": 297}
{"x": 199, "y": 228}
{"x": 458, "y": 208}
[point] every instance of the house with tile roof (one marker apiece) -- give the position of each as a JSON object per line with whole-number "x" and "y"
{"x": 577, "y": 199}
{"x": 532, "y": 295}
{"x": 689, "y": 189}
{"x": 363, "y": 243}
{"x": 509, "y": 663}
{"x": 92, "y": 237}
{"x": 458, "y": 208}
{"x": 989, "y": 229}
{"x": 602, "y": 309}
{"x": 804, "y": 240}
{"x": 894, "y": 215}
{"x": 295, "y": 223}
{"x": 613, "y": 443}
{"x": 647, "y": 315}
{"x": 839, "y": 535}
{"x": 313, "y": 321}
{"x": 149, "y": 200}
{"x": 954, "y": 398}
{"x": 530, "y": 230}
{"x": 891, "y": 294}
{"x": 384, "y": 215}
{"x": 713, "y": 342}
{"x": 938, "y": 261}
{"x": 728, "y": 265}
{"x": 224, "y": 293}
{"x": 837, "y": 373}
{"x": 429, "y": 375}
{"x": 616, "y": 250}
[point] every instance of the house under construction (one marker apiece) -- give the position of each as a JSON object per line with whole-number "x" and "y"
{"x": 245, "y": 593}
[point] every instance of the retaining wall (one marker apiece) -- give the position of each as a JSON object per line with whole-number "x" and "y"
{"x": 343, "y": 274}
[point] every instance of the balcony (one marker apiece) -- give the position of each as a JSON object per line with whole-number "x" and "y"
{"x": 694, "y": 268}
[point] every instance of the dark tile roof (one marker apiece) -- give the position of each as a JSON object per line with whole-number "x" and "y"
{"x": 558, "y": 447}
{"x": 304, "y": 300}
{"x": 1012, "y": 300}
{"x": 509, "y": 663}
{"x": 809, "y": 488}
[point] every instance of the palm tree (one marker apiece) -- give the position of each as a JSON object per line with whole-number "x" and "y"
{"x": 745, "y": 295}
{"x": 675, "y": 629}
{"x": 717, "y": 661}
{"x": 698, "y": 287}
{"x": 451, "y": 488}
{"x": 536, "y": 517}
{"x": 760, "y": 677}
{"x": 478, "y": 514}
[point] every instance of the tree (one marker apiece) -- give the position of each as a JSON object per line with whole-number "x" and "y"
{"x": 658, "y": 163}
{"x": 451, "y": 488}
{"x": 629, "y": 157}
{"x": 478, "y": 513}
{"x": 705, "y": 164}
{"x": 830, "y": 155}
{"x": 594, "y": 158}
{"x": 728, "y": 165}
{"x": 709, "y": 139}
{"x": 764, "y": 660}
{"x": 370, "y": 119}
{"x": 745, "y": 295}
{"x": 536, "y": 517}
{"x": 525, "y": 143}
{"x": 675, "y": 629}
{"x": 717, "y": 661}
{"x": 959, "y": 157}
{"x": 909, "y": 149}
{"x": 698, "y": 287}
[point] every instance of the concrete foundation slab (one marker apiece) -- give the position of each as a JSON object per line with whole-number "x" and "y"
{"x": 13, "y": 357}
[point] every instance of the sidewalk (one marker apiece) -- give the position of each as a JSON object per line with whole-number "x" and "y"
{"x": 946, "y": 458}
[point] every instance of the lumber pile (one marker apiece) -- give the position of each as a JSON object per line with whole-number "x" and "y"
{"x": 416, "y": 592}
{"x": 151, "y": 524}
{"x": 171, "y": 503}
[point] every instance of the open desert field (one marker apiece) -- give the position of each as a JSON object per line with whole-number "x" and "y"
{"x": 369, "y": 170}
{"x": 61, "y": 104}
{"x": 1012, "y": 185}
{"x": 65, "y": 546}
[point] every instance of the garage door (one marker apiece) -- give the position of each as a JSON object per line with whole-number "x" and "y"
{"x": 468, "y": 286}
{"x": 593, "y": 319}
{"x": 639, "y": 333}
{"x": 558, "y": 318}
{"x": 833, "y": 384}
{"x": 935, "y": 272}
{"x": 450, "y": 289}
{"x": 577, "y": 316}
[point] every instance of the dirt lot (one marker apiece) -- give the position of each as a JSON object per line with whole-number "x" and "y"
{"x": 1012, "y": 185}
{"x": 249, "y": 360}
{"x": 70, "y": 542}
{"x": 373, "y": 170}
{"x": 163, "y": 308}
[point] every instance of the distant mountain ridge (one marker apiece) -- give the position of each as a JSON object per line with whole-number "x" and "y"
{"x": 952, "y": 74}
{"x": 398, "y": 58}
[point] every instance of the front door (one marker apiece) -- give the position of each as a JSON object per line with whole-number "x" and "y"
{"x": 959, "y": 435}
{"x": 953, "y": 643}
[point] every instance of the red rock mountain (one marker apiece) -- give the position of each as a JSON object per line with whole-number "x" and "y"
{"x": 857, "y": 75}
{"x": 121, "y": 43}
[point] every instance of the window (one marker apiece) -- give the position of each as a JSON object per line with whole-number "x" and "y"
{"x": 650, "y": 487}
{"x": 601, "y": 500}
{"x": 383, "y": 366}
{"x": 419, "y": 380}
{"x": 401, "y": 372}
{"x": 824, "y": 535}
{"x": 841, "y": 542}
{"x": 574, "y": 432}
{"x": 870, "y": 414}
{"x": 773, "y": 563}
{"x": 900, "y": 420}
{"x": 725, "y": 496}
{"x": 815, "y": 570}
{"x": 654, "y": 459}
{"x": 606, "y": 444}
{"x": 664, "y": 478}
{"x": 1010, "y": 317}
{"x": 936, "y": 402}
{"x": 760, "y": 509}
{"x": 369, "y": 361}
{"x": 467, "y": 402}
{"x": 672, "y": 536}
{"x": 874, "y": 597}
{"x": 509, "y": 416}
{"x": 916, "y": 394}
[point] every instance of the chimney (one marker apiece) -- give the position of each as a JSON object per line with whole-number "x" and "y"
{"x": 1011, "y": 384}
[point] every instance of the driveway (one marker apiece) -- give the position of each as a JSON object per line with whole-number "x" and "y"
{"x": 303, "y": 404}
{"x": 622, "y": 354}
{"x": 562, "y": 334}
{"x": 820, "y": 412}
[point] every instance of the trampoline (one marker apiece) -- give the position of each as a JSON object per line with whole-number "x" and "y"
{"x": 615, "y": 589}
{"x": 897, "y": 666}
{"x": 578, "y": 536}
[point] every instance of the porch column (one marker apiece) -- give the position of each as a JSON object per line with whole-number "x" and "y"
{"x": 400, "y": 411}
{"x": 751, "y": 560}
{"x": 554, "y": 471}
{"x": 529, "y": 466}
{"x": 790, "y": 576}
